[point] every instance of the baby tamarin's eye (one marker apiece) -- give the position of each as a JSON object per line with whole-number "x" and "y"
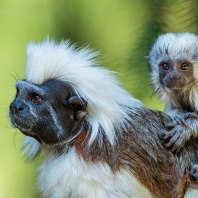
{"x": 184, "y": 66}
{"x": 164, "y": 66}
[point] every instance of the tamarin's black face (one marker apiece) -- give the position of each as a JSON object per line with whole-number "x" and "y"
{"x": 50, "y": 112}
{"x": 175, "y": 74}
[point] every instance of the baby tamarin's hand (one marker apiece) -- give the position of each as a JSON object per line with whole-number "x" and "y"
{"x": 180, "y": 131}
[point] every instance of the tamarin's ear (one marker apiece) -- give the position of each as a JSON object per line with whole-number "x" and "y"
{"x": 78, "y": 107}
{"x": 76, "y": 103}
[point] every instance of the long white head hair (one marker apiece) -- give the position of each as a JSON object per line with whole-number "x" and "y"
{"x": 109, "y": 105}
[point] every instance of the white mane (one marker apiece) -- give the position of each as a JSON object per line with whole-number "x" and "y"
{"x": 108, "y": 104}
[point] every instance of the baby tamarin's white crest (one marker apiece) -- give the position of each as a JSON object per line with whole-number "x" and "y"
{"x": 173, "y": 62}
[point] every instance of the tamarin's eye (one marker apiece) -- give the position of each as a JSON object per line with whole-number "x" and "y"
{"x": 184, "y": 66}
{"x": 164, "y": 66}
{"x": 36, "y": 99}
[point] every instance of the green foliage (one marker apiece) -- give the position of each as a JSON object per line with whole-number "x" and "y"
{"x": 122, "y": 30}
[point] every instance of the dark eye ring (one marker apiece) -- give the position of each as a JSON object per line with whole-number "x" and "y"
{"x": 164, "y": 66}
{"x": 184, "y": 66}
{"x": 36, "y": 99}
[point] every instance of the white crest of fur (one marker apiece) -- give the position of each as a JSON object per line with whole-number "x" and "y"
{"x": 97, "y": 85}
{"x": 172, "y": 46}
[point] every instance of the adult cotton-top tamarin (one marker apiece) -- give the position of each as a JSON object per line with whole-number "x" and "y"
{"x": 98, "y": 141}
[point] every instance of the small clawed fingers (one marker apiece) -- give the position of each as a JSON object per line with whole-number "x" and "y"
{"x": 176, "y": 148}
{"x": 169, "y": 135}
{"x": 172, "y": 141}
{"x": 193, "y": 115}
{"x": 181, "y": 121}
{"x": 170, "y": 126}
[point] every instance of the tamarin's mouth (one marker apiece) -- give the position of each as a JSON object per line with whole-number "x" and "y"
{"x": 22, "y": 124}
{"x": 174, "y": 85}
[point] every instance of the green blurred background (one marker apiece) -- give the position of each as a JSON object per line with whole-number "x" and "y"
{"x": 122, "y": 30}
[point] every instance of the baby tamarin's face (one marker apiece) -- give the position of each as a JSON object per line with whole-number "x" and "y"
{"x": 173, "y": 62}
{"x": 175, "y": 74}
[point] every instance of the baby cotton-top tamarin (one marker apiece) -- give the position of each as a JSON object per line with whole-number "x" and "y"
{"x": 173, "y": 62}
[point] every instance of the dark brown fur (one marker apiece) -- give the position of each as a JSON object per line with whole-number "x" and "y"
{"x": 143, "y": 154}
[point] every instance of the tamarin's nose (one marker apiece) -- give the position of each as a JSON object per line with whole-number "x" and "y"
{"x": 175, "y": 77}
{"x": 17, "y": 106}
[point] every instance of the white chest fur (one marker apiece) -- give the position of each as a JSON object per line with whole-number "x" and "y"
{"x": 71, "y": 177}
{"x": 191, "y": 193}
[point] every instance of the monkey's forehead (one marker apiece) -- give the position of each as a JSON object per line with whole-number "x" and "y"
{"x": 175, "y": 46}
{"x": 28, "y": 85}
{"x": 49, "y": 86}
